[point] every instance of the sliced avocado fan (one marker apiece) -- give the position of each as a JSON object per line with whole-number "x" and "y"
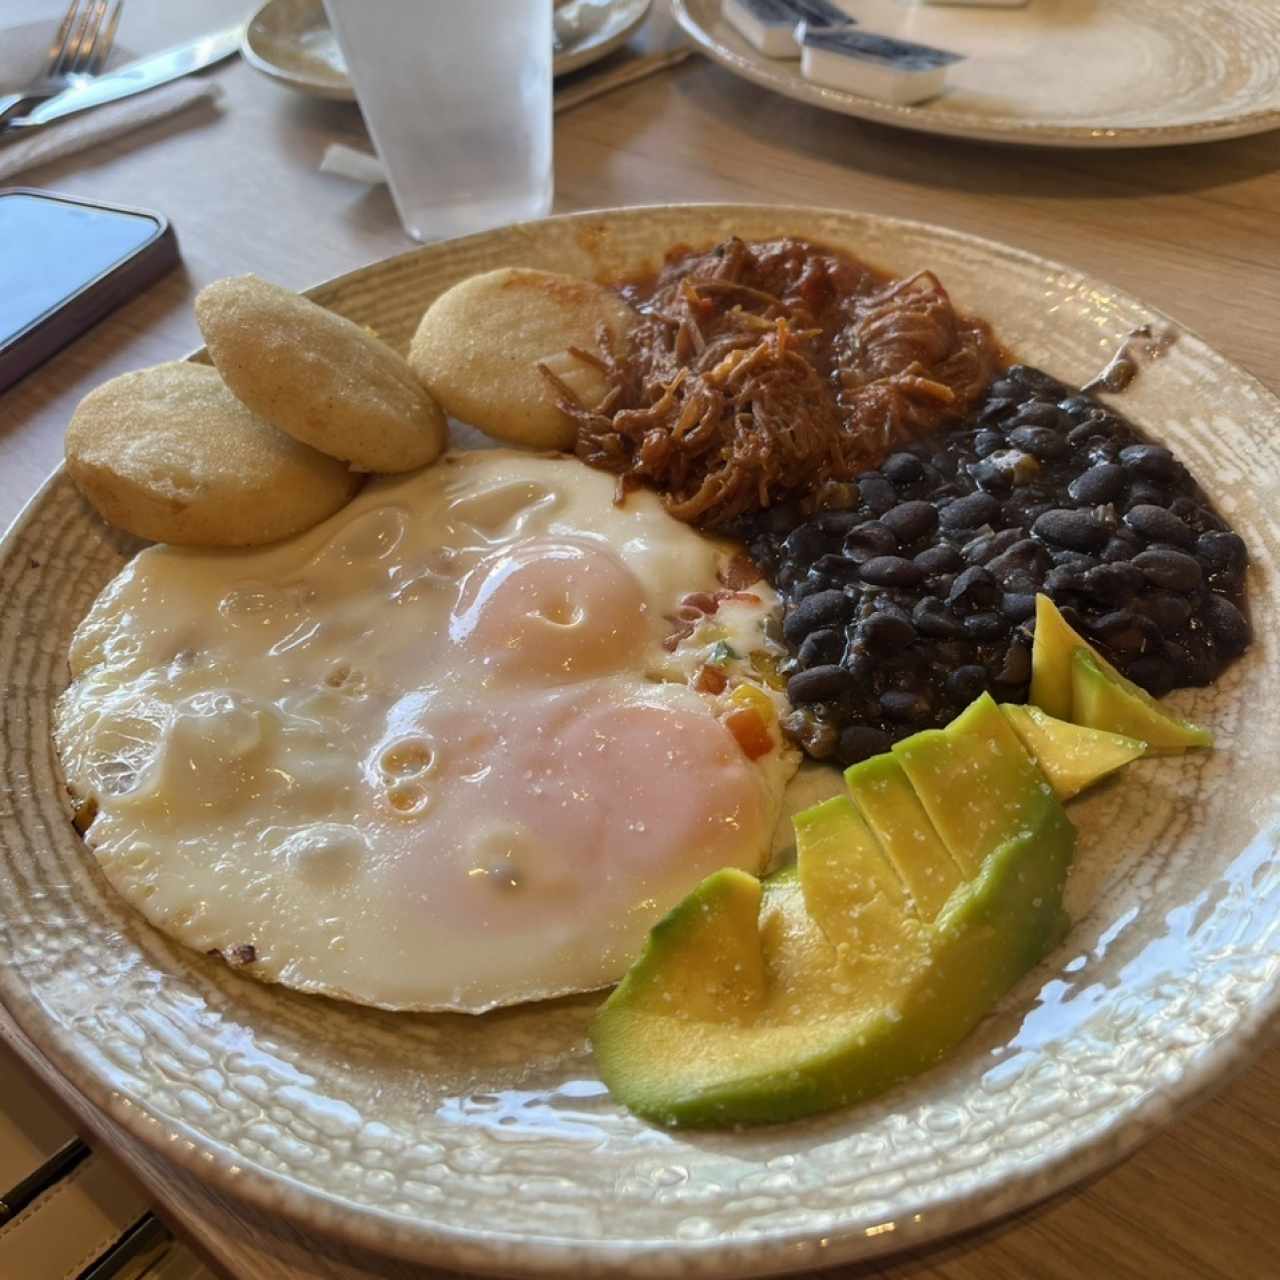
{"x": 855, "y": 972}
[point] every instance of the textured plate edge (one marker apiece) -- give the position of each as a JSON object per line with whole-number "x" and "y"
{"x": 565, "y": 64}
{"x": 1078, "y": 137}
{"x": 490, "y": 1253}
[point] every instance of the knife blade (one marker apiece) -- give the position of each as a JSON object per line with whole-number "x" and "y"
{"x": 134, "y": 77}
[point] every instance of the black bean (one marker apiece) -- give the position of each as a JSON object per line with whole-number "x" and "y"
{"x": 1201, "y": 518}
{"x": 835, "y": 524}
{"x": 945, "y": 465}
{"x": 1017, "y": 666}
{"x": 877, "y": 492}
{"x": 1041, "y": 442}
{"x": 904, "y": 706}
{"x": 1065, "y": 558}
{"x": 1113, "y": 584}
{"x": 1173, "y": 570}
{"x": 1103, "y": 483}
{"x": 975, "y": 588}
{"x": 1018, "y": 606}
{"x": 997, "y": 407}
{"x": 820, "y": 610}
{"x": 1229, "y": 626}
{"x": 814, "y": 583}
{"x": 991, "y": 476}
{"x": 1023, "y": 555}
{"x": 1122, "y": 545}
{"x": 859, "y": 664}
{"x": 943, "y": 558}
{"x": 1168, "y": 611}
{"x": 1078, "y": 437}
{"x": 892, "y": 571}
{"x": 1194, "y": 660}
{"x": 1126, "y": 631}
{"x": 1219, "y": 551}
{"x": 861, "y": 742}
{"x": 969, "y": 512}
{"x": 966, "y": 683}
{"x": 1020, "y": 582}
{"x": 902, "y": 469}
{"x": 980, "y": 549}
{"x": 869, "y": 539}
{"x": 1152, "y": 462}
{"x": 1063, "y": 578}
{"x": 819, "y": 684}
{"x": 836, "y": 570}
{"x": 1078, "y": 406}
{"x": 986, "y": 626}
{"x": 1036, "y": 380}
{"x": 1158, "y": 525}
{"x": 1154, "y": 672}
{"x": 933, "y": 619}
{"x": 1006, "y": 388}
{"x": 909, "y": 521}
{"x": 885, "y": 633}
{"x": 1078, "y": 530}
{"x": 805, "y": 542}
{"x": 820, "y": 648}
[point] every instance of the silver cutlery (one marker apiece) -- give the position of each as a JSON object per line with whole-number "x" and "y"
{"x": 78, "y": 51}
{"x": 134, "y": 77}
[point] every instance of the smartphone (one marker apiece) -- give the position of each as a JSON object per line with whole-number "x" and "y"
{"x": 66, "y": 262}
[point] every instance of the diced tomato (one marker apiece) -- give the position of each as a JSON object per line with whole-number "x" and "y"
{"x": 748, "y": 727}
{"x": 710, "y": 679}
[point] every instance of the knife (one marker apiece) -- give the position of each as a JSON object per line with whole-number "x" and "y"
{"x": 134, "y": 77}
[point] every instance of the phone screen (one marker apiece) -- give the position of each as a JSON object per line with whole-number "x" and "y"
{"x": 50, "y": 249}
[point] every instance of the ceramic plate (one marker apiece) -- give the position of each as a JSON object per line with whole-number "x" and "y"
{"x": 488, "y": 1143}
{"x": 291, "y": 41}
{"x": 1056, "y": 73}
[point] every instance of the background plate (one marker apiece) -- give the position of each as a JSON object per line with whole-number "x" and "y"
{"x": 1058, "y": 73}
{"x": 488, "y": 1143}
{"x": 291, "y": 41}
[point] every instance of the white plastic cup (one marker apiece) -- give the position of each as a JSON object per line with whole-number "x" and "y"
{"x": 457, "y": 96}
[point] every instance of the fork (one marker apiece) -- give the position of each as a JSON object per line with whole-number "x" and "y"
{"x": 78, "y": 50}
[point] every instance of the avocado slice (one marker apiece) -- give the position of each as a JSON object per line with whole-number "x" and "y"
{"x": 1103, "y": 699}
{"x": 1051, "y": 649}
{"x": 975, "y": 781}
{"x": 1071, "y": 756}
{"x": 886, "y": 799}
{"x": 1056, "y": 681}
{"x": 846, "y": 990}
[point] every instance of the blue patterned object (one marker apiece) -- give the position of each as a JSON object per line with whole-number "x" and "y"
{"x": 903, "y": 55}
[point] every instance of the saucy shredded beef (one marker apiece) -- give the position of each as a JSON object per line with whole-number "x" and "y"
{"x": 774, "y": 372}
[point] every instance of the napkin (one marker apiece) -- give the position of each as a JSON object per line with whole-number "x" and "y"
{"x": 21, "y": 150}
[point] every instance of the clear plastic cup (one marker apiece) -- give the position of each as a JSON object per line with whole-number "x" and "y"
{"x": 457, "y": 96}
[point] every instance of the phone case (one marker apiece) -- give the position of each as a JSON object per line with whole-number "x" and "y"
{"x": 83, "y": 309}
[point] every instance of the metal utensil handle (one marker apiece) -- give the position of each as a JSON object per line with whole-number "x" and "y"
{"x": 10, "y": 103}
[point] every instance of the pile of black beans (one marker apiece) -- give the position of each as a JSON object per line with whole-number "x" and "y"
{"x": 903, "y": 607}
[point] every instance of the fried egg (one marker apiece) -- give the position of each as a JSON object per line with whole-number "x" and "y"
{"x": 458, "y": 747}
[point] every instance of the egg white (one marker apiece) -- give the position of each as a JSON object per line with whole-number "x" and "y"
{"x": 449, "y": 750}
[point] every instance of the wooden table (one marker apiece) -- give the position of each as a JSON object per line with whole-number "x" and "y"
{"x": 1193, "y": 230}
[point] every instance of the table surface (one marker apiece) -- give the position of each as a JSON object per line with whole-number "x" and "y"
{"x": 1192, "y": 230}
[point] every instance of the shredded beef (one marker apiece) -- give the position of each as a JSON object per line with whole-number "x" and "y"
{"x": 767, "y": 373}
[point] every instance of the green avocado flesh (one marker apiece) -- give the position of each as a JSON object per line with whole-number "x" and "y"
{"x": 897, "y": 819}
{"x": 756, "y": 1003}
{"x": 1071, "y": 756}
{"x": 1093, "y": 693}
{"x": 1103, "y": 699}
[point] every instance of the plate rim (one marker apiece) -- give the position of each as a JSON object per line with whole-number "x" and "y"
{"x": 438, "y": 1243}
{"x": 1011, "y": 133}
{"x": 562, "y": 64}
